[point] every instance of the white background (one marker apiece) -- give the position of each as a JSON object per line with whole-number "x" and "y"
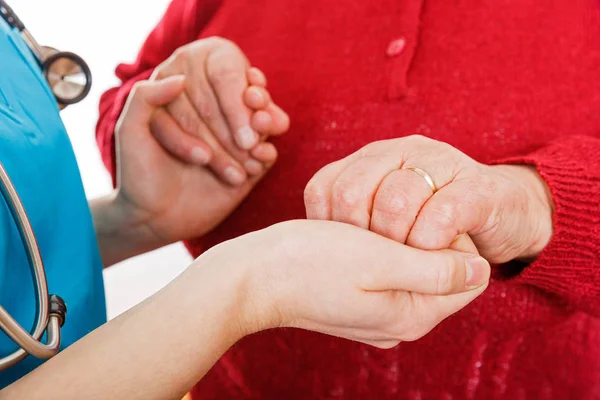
{"x": 104, "y": 33}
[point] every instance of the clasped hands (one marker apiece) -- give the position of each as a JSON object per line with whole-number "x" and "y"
{"x": 398, "y": 257}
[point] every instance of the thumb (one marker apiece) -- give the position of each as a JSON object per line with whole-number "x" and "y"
{"x": 148, "y": 95}
{"x": 465, "y": 244}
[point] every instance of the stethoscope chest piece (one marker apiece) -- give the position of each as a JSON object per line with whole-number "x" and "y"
{"x": 68, "y": 75}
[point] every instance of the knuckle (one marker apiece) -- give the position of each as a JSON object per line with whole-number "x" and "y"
{"x": 139, "y": 89}
{"x": 372, "y": 149}
{"x": 215, "y": 40}
{"x": 446, "y": 275}
{"x": 187, "y": 122}
{"x": 223, "y": 74}
{"x": 416, "y": 141}
{"x": 346, "y": 194}
{"x": 205, "y": 109}
{"x": 314, "y": 193}
{"x": 391, "y": 201}
{"x": 444, "y": 217}
{"x": 180, "y": 53}
{"x": 417, "y": 138}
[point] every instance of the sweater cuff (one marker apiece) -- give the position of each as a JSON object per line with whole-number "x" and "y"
{"x": 570, "y": 264}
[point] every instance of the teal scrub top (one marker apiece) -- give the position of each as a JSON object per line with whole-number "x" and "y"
{"x": 36, "y": 152}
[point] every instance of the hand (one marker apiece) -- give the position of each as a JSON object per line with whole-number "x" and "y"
{"x": 344, "y": 281}
{"x": 163, "y": 198}
{"x": 507, "y": 210}
{"x": 221, "y": 120}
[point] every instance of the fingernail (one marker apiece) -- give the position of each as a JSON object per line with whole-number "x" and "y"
{"x": 199, "y": 156}
{"x": 478, "y": 270}
{"x": 247, "y": 138}
{"x": 253, "y": 167}
{"x": 256, "y": 96}
{"x": 234, "y": 176}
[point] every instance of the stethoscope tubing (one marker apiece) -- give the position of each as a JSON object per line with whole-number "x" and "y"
{"x": 45, "y": 320}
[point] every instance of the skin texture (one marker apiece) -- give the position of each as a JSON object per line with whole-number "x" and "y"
{"x": 506, "y": 210}
{"x": 161, "y": 199}
{"x": 224, "y": 114}
{"x": 258, "y": 282}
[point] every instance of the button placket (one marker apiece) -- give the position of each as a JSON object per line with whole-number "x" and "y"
{"x": 401, "y": 49}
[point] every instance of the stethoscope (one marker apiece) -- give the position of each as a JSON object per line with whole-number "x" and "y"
{"x": 70, "y": 79}
{"x": 67, "y": 74}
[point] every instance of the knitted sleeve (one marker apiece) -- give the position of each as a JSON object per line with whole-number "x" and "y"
{"x": 570, "y": 265}
{"x": 181, "y": 24}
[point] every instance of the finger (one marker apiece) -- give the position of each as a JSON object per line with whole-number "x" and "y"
{"x": 256, "y": 98}
{"x": 206, "y": 107}
{"x": 167, "y": 132}
{"x": 397, "y": 202}
{"x": 353, "y": 192}
{"x": 317, "y": 194}
{"x": 254, "y": 179}
{"x": 400, "y": 267}
{"x": 262, "y": 122}
{"x": 464, "y": 243}
{"x": 265, "y": 152}
{"x": 226, "y": 71}
{"x": 281, "y": 121}
{"x": 256, "y": 77}
{"x": 147, "y": 95}
{"x": 176, "y": 141}
{"x": 270, "y": 121}
{"x": 454, "y": 210}
{"x": 226, "y": 163}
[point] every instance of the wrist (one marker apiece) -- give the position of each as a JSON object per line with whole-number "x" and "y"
{"x": 121, "y": 233}
{"x": 540, "y": 207}
{"x": 243, "y": 263}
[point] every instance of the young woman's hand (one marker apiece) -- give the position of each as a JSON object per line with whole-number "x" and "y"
{"x": 324, "y": 276}
{"x": 160, "y": 199}
{"x": 345, "y": 281}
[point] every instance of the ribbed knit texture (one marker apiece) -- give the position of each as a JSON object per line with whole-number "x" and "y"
{"x": 512, "y": 81}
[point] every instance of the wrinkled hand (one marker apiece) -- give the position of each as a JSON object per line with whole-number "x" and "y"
{"x": 162, "y": 197}
{"x": 505, "y": 209}
{"x": 224, "y": 114}
{"x": 344, "y": 281}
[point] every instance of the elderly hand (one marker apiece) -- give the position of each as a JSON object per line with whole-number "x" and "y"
{"x": 161, "y": 199}
{"x": 506, "y": 210}
{"x": 344, "y": 281}
{"x": 219, "y": 119}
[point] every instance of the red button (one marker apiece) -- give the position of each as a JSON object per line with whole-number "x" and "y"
{"x": 396, "y": 47}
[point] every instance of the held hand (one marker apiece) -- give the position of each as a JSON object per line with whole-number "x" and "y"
{"x": 344, "y": 281}
{"x": 221, "y": 120}
{"x": 506, "y": 210}
{"x": 162, "y": 198}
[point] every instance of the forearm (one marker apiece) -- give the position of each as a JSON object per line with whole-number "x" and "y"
{"x": 158, "y": 350}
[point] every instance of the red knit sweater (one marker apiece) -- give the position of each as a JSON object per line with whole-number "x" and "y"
{"x": 510, "y": 79}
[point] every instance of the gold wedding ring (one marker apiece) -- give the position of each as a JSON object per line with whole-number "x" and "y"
{"x": 424, "y": 175}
